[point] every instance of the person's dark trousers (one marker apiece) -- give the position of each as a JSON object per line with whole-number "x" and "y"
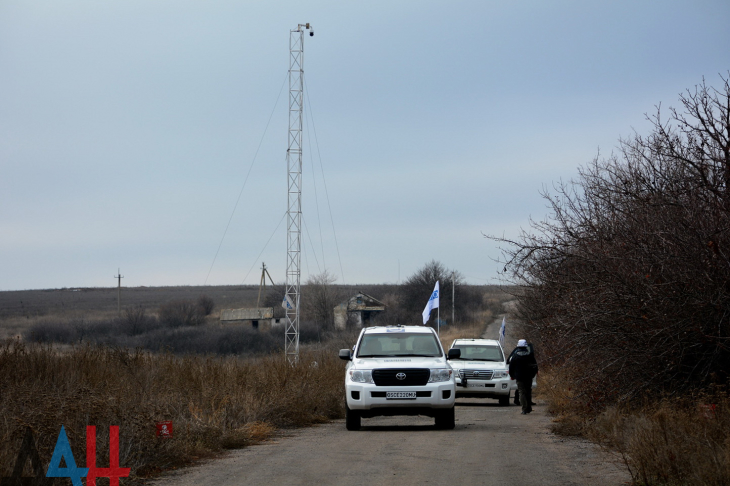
{"x": 525, "y": 389}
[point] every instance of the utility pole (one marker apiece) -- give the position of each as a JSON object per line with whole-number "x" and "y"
{"x": 119, "y": 278}
{"x": 262, "y": 282}
{"x": 453, "y": 293}
{"x": 294, "y": 183}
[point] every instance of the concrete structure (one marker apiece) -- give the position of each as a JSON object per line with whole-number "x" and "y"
{"x": 357, "y": 311}
{"x": 256, "y": 317}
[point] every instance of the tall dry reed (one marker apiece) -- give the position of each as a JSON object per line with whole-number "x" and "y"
{"x": 213, "y": 402}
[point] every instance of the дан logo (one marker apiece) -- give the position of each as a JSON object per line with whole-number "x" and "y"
{"x": 62, "y": 451}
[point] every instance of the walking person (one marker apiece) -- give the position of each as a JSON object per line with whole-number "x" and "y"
{"x": 517, "y": 392}
{"x": 523, "y": 368}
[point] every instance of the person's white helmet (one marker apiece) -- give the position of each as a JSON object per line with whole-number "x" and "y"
{"x": 521, "y": 343}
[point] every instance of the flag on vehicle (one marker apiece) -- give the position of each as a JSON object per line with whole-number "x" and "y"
{"x": 501, "y": 332}
{"x": 433, "y": 303}
{"x": 287, "y": 303}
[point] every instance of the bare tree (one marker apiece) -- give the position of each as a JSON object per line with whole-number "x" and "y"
{"x": 417, "y": 289}
{"x": 179, "y": 313}
{"x": 627, "y": 282}
{"x": 319, "y": 298}
{"x": 206, "y": 304}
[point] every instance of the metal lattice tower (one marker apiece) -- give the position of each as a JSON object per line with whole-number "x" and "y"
{"x": 294, "y": 182}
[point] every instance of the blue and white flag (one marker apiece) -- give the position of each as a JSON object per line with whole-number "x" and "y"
{"x": 287, "y": 303}
{"x": 433, "y": 303}
{"x": 501, "y": 332}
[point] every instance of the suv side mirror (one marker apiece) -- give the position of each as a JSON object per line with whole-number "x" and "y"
{"x": 454, "y": 353}
{"x": 345, "y": 354}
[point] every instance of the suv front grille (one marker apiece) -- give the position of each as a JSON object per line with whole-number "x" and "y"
{"x": 413, "y": 377}
{"x": 476, "y": 374}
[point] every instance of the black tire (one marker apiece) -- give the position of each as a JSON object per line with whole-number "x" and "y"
{"x": 446, "y": 419}
{"x": 352, "y": 419}
{"x": 504, "y": 401}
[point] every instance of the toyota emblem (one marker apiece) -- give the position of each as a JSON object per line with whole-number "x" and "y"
{"x": 401, "y": 376}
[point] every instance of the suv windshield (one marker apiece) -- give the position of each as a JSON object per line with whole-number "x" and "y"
{"x": 479, "y": 352}
{"x": 398, "y": 344}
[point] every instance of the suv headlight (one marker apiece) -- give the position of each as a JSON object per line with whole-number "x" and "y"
{"x": 361, "y": 376}
{"x": 500, "y": 374}
{"x": 442, "y": 374}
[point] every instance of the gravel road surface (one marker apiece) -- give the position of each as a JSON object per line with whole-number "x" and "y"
{"x": 491, "y": 445}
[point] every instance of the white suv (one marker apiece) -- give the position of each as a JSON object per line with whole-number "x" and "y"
{"x": 399, "y": 370}
{"x": 481, "y": 370}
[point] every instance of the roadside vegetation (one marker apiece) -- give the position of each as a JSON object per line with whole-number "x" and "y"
{"x": 222, "y": 386}
{"x": 214, "y": 403}
{"x": 624, "y": 291}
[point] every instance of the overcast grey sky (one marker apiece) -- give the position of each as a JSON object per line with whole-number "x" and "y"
{"x": 127, "y": 128}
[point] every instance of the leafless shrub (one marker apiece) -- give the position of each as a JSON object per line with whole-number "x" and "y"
{"x": 319, "y": 298}
{"x": 238, "y": 340}
{"x": 136, "y": 321}
{"x": 52, "y": 332}
{"x": 206, "y": 305}
{"x": 310, "y": 332}
{"x": 626, "y": 282}
{"x": 180, "y": 313}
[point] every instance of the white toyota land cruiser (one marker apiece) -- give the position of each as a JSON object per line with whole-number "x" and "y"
{"x": 481, "y": 370}
{"x": 399, "y": 370}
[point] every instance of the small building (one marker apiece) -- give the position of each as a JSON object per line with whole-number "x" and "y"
{"x": 256, "y": 317}
{"x": 357, "y": 311}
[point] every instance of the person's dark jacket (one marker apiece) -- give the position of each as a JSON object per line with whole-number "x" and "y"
{"x": 529, "y": 347}
{"x": 522, "y": 364}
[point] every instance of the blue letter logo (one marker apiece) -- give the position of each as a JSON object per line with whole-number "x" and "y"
{"x": 63, "y": 451}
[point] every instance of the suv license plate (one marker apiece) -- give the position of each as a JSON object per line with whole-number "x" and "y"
{"x": 400, "y": 395}
{"x": 475, "y": 385}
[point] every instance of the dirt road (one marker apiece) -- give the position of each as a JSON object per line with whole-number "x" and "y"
{"x": 491, "y": 445}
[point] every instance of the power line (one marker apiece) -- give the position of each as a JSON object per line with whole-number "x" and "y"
{"x": 246, "y": 180}
{"x": 326, "y": 191}
{"x": 262, "y": 249}
{"x": 306, "y": 228}
{"x": 316, "y": 195}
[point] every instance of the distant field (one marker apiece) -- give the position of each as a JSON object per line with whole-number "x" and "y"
{"x": 20, "y": 310}
{"x": 224, "y": 386}
{"x": 70, "y": 301}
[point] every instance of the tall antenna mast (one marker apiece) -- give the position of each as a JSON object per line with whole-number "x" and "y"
{"x": 294, "y": 180}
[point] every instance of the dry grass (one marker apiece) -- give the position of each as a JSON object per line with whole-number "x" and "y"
{"x": 214, "y": 403}
{"x": 666, "y": 441}
{"x": 473, "y": 329}
{"x": 569, "y": 413}
{"x": 670, "y": 442}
